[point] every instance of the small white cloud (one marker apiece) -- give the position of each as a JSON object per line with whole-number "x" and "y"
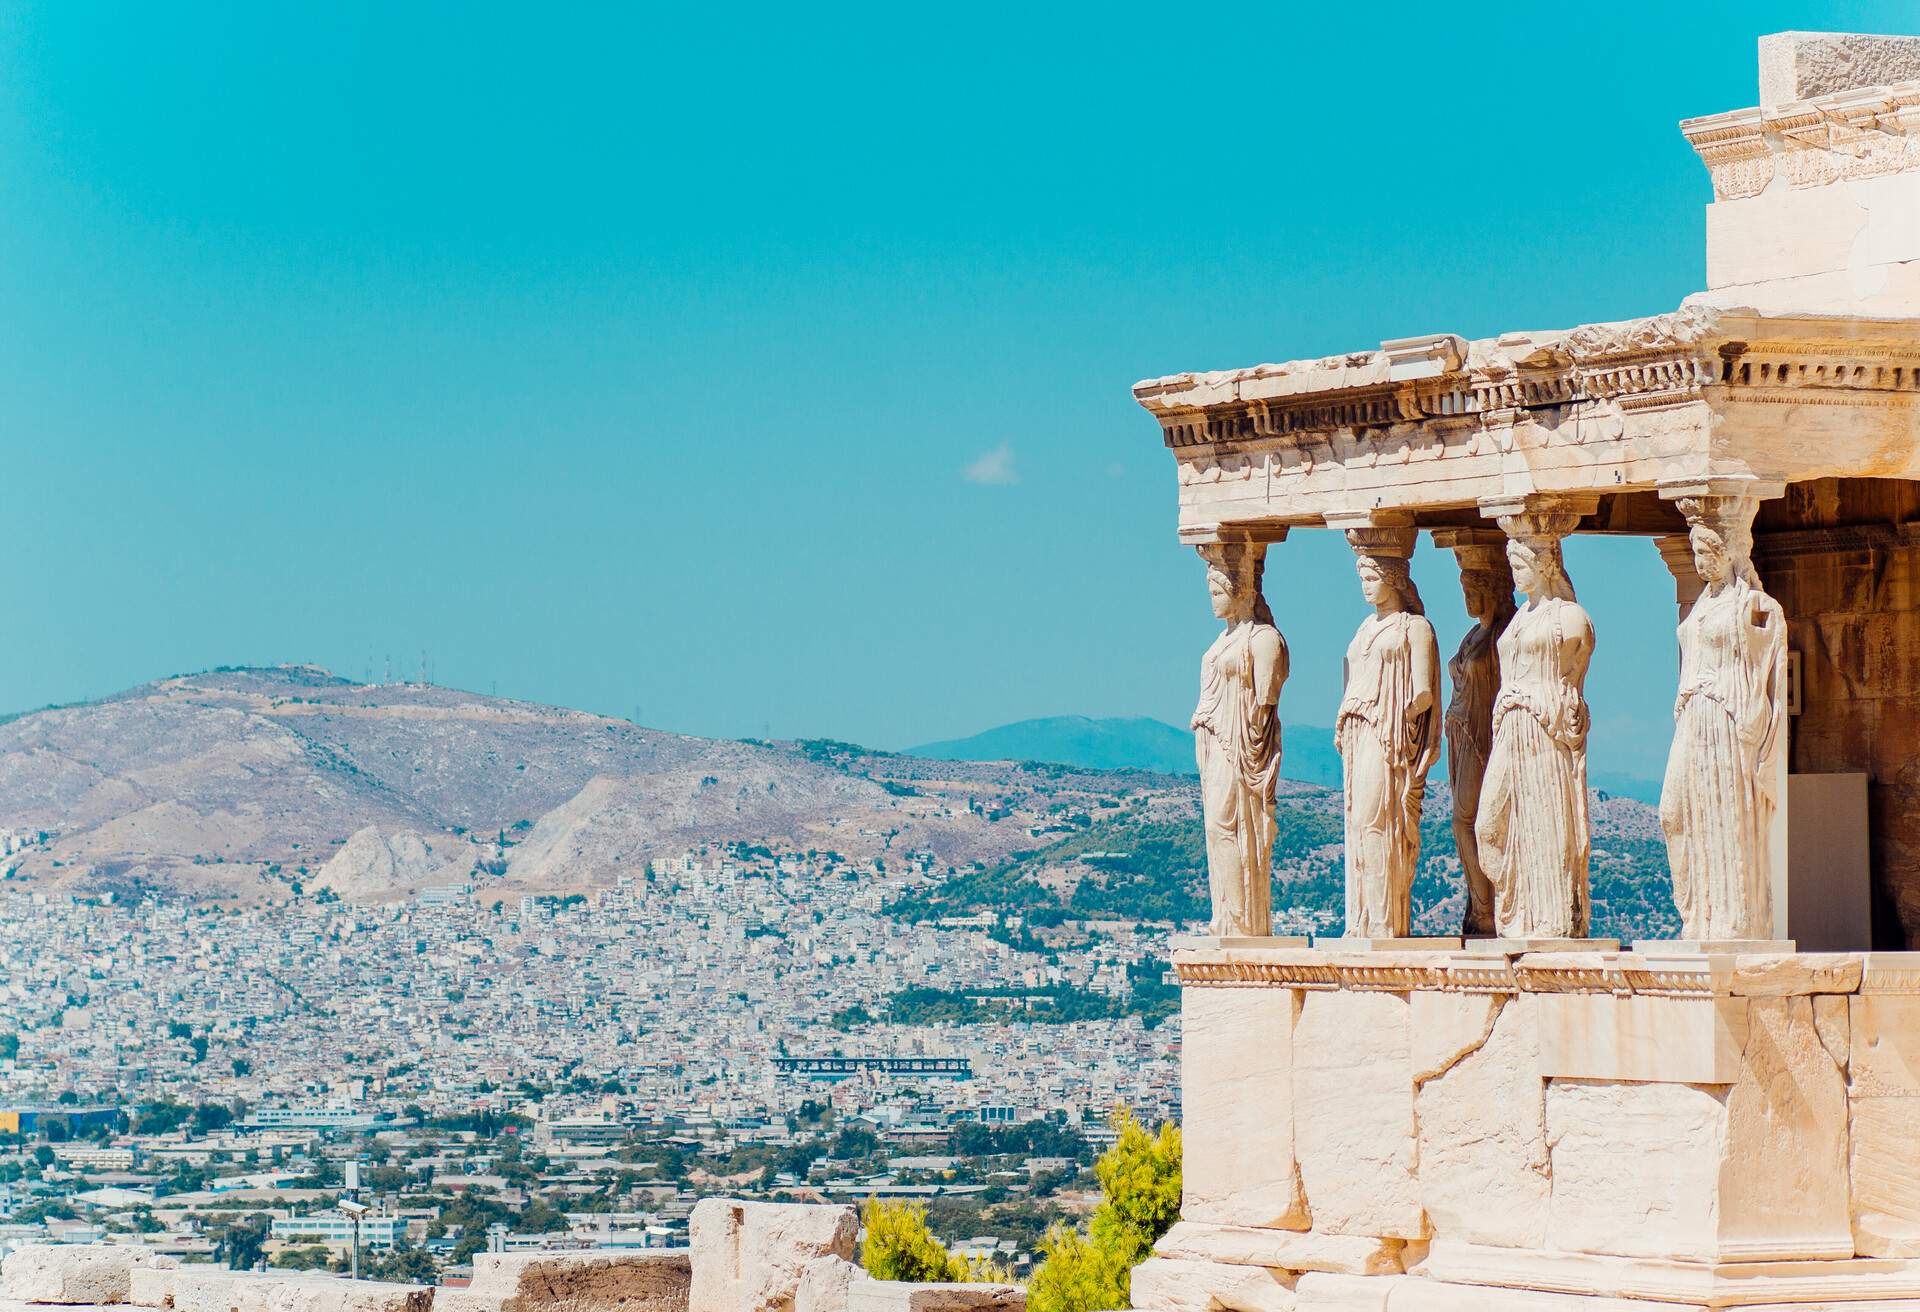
{"x": 993, "y": 467}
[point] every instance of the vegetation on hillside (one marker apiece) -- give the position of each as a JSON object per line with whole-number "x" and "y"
{"x": 1130, "y": 868}
{"x": 1149, "y": 996}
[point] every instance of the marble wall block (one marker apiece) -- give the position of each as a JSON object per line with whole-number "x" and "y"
{"x": 1483, "y": 1136}
{"x": 1169, "y": 1284}
{"x": 1236, "y": 1062}
{"x": 1884, "y": 1067}
{"x": 1353, "y": 1112}
{"x": 748, "y": 1256}
{"x": 1751, "y": 1170}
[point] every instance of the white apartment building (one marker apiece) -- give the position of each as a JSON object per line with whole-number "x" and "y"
{"x": 336, "y": 1229}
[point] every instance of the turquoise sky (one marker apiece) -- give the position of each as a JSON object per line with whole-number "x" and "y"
{"x": 766, "y": 369}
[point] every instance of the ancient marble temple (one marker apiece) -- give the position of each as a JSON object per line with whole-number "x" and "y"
{"x": 1521, "y": 1116}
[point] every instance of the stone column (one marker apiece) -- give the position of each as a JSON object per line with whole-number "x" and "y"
{"x": 1236, "y": 728}
{"x": 1722, "y": 805}
{"x": 1486, "y": 580}
{"x": 1387, "y": 728}
{"x": 1532, "y": 830}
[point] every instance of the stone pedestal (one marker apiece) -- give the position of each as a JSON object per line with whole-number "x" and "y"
{"x": 1568, "y": 1130}
{"x": 1516, "y": 947}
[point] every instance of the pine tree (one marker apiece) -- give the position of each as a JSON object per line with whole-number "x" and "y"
{"x": 1140, "y": 1180}
{"x": 900, "y": 1246}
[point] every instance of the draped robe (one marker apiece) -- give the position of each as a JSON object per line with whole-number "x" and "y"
{"x": 1385, "y": 753}
{"x": 1475, "y": 674}
{"x": 1237, "y": 746}
{"x": 1717, "y": 804}
{"x": 1532, "y": 828}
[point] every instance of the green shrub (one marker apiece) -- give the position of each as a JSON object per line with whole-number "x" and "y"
{"x": 899, "y": 1246}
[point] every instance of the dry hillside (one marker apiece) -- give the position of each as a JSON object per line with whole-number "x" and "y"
{"x": 240, "y": 783}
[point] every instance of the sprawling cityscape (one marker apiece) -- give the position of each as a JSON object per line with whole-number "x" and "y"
{"x": 578, "y": 1067}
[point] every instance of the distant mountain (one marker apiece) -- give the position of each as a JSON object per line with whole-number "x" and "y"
{"x": 1616, "y": 784}
{"x": 1138, "y": 742}
{"x": 1119, "y": 743}
{"x": 245, "y": 783}
{"x": 1135, "y": 742}
{"x": 261, "y": 784}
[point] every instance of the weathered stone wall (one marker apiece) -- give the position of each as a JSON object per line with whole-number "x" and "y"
{"x": 745, "y": 1257}
{"x": 1849, "y": 582}
{"x": 1587, "y": 1131}
{"x": 123, "y": 1275}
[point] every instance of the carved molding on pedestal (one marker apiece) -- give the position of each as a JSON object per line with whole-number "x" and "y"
{"x": 1648, "y": 974}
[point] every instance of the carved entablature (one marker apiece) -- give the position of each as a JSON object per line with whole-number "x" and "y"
{"x": 1602, "y": 408}
{"x": 1842, "y": 136}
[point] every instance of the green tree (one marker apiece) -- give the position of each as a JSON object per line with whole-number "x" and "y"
{"x": 1140, "y": 1186}
{"x": 160, "y": 1117}
{"x": 900, "y": 1246}
{"x": 541, "y": 1217}
{"x": 211, "y": 1116}
{"x": 313, "y": 1257}
{"x": 242, "y": 1244}
{"x": 403, "y": 1264}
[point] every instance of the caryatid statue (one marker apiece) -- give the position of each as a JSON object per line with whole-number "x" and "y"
{"x": 1486, "y": 581}
{"x": 1236, "y": 733}
{"x": 1388, "y": 733}
{"x": 1718, "y": 801}
{"x": 1531, "y": 830}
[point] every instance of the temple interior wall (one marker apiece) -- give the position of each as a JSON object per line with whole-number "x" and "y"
{"x": 1841, "y": 560}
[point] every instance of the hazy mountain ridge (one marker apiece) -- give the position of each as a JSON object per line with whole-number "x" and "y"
{"x": 1307, "y": 755}
{"x": 256, "y": 784}
{"x": 244, "y": 782}
{"x": 1128, "y": 743}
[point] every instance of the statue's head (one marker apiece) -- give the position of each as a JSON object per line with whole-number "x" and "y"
{"x": 1488, "y": 593}
{"x": 1486, "y": 580}
{"x": 1721, "y": 534}
{"x": 1538, "y": 568}
{"x": 1387, "y": 580}
{"x": 1533, "y": 552}
{"x": 1380, "y": 556}
{"x": 1234, "y": 572}
{"x": 1711, "y": 560}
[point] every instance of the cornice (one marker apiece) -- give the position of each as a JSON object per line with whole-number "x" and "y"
{"x": 1662, "y": 360}
{"x": 1843, "y": 136}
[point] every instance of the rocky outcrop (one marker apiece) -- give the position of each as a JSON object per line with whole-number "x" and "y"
{"x": 372, "y": 865}
{"x": 749, "y": 1257}
{"x": 651, "y": 1281}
